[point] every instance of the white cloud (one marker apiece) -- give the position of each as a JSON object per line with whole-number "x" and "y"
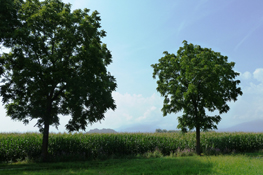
{"x": 249, "y": 106}
{"x": 128, "y": 117}
{"x": 132, "y": 110}
{"x": 246, "y": 75}
{"x": 258, "y": 74}
{"x": 146, "y": 114}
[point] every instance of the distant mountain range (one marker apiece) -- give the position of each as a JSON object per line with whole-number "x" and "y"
{"x": 138, "y": 128}
{"x": 251, "y": 126}
{"x": 102, "y": 131}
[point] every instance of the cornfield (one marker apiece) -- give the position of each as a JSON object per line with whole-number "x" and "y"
{"x": 15, "y": 146}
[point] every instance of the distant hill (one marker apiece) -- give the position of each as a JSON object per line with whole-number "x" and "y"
{"x": 143, "y": 128}
{"x": 251, "y": 126}
{"x": 102, "y": 131}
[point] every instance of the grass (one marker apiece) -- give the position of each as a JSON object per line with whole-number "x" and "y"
{"x": 248, "y": 163}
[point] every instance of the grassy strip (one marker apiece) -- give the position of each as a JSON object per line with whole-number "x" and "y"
{"x": 223, "y": 164}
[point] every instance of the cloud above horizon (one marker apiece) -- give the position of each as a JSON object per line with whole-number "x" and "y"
{"x": 249, "y": 107}
{"x": 246, "y": 75}
{"x": 258, "y": 74}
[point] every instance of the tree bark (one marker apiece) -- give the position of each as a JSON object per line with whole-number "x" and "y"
{"x": 44, "y": 154}
{"x": 198, "y": 147}
{"x": 197, "y": 127}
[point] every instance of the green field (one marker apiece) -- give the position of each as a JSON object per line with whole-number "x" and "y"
{"x": 132, "y": 153}
{"x": 79, "y": 146}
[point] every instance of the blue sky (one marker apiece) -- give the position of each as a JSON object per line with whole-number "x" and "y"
{"x": 139, "y": 31}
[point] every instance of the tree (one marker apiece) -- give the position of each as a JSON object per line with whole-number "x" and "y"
{"x": 195, "y": 80}
{"x": 57, "y": 66}
{"x": 159, "y": 130}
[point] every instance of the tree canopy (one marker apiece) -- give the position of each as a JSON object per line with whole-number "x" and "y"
{"x": 57, "y": 66}
{"x": 8, "y": 23}
{"x": 8, "y": 19}
{"x": 195, "y": 80}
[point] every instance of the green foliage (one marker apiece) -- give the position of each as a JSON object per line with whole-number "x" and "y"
{"x": 15, "y": 146}
{"x": 8, "y": 24}
{"x": 8, "y": 20}
{"x": 57, "y": 66}
{"x": 182, "y": 153}
{"x": 155, "y": 154}
{"x": 195, "y": 80}
{"x": 64, "y": 147}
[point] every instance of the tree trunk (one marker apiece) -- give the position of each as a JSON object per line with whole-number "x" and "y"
{"x": 198, "y": 147}
{"x": 44, "y": 154}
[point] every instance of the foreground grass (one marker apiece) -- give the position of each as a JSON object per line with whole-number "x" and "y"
{"x": 225, "y": 164}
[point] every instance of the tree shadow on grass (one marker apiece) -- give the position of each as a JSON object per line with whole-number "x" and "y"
{"x": 181, "y": 165}
{"x": 255, "y": 154}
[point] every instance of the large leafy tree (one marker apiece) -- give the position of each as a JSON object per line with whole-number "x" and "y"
{"x": 57, "y": 66}
{"x": 196, "y": 80}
